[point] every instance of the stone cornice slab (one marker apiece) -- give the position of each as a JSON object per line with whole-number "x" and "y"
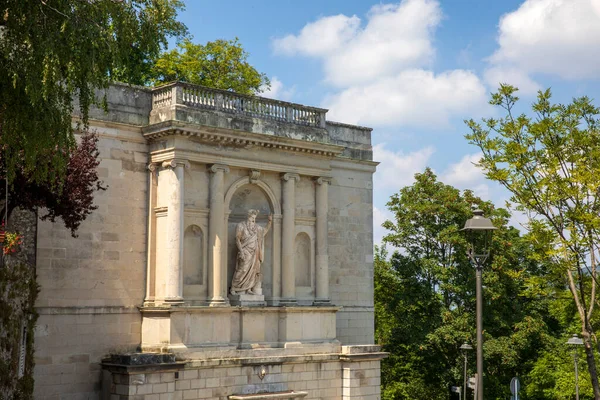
{"x": 240, "y": 139}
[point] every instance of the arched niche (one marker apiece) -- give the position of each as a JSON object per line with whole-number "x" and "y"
{"x": 242, "y": 196}
{"x": 302, "y": 260}
{"x": 268, "y": 192}
{"x": 194, "y": 261}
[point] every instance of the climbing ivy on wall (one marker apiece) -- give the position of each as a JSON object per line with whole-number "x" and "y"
{"x": 18, "y": 292}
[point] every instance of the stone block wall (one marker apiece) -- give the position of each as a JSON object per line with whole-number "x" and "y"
{"x": 91, "y": 284}
{"x": 71, "y": 345}
{"x": 105, "y": 265}
{"x": 351, "y": 272}
{"x": 321, "y": 377}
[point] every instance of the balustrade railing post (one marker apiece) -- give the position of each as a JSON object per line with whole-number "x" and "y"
{"x": 177, "y": 94}
{"x": 289, "y": 114}
{"x": 219, "y": 101}
{"x": 322, "y": 121}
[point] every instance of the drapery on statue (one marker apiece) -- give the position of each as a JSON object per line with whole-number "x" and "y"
{"x": 249, "y": 238}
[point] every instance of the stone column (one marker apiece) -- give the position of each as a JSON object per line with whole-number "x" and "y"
{"x": 322, "y": 295}
{"x": 288, "y": 272}
{"x": 276, "y": 295}
{"x": 217, "y": 285}
{"x": 151, "y": 237}
{"x": 175, "y": 227}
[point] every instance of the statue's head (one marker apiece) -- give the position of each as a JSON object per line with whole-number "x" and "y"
{"x": 252, "y": 215}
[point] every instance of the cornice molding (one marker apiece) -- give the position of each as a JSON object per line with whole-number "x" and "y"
{"x": 242, "y": 139}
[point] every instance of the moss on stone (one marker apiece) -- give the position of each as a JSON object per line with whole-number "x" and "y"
{"x": 18, "y": 292}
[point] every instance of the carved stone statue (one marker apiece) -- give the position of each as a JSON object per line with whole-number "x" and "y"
{"x": 249, "y": 238}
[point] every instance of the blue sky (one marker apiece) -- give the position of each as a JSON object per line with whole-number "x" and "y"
{"x": 413, "y": 70}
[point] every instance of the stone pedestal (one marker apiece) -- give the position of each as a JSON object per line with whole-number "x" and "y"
{"x": 326, "y": 371}
{"x": 247, "y": 300}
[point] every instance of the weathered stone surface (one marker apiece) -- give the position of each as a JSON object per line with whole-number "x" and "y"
{"x": 161, "y": 248}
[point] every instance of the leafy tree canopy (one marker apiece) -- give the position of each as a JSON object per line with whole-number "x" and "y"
{"x": 425, "y": 298}
{"x": 220, "y": 64}
{"x": 52, "y": 51}
{"x": 550, "y": 163}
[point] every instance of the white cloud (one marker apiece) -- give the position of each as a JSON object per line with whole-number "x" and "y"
{"x": 396, "y": 36}
{"x": 412, "y": 97}
{"x": 278, "y": 90}
{"x": 513, "y": 76}
{"x": 556, "y": 37}
{"x": 319, "y": 38}
{"x": 463, "y": 172}
{"x": 379, "y": 67}
{"x": 397, "y": 169}
{"x": 466, "y": 175}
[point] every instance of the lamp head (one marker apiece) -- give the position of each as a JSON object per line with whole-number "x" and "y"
{"x": 575, "y": 341}
{"x": 479, "y": 229}
{"x": 479, "y": 223}
{"x": 466, "y": 347}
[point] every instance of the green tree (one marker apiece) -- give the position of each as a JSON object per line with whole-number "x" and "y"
{"x": 425, "y": 296}
{"x": 221, "y": 64}
{"x": 550, "y": 163}
{"x": 50, "y": 53}
{"x": 53, "y": 51}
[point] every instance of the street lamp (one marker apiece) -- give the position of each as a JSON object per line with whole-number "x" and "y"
{"x": 466, "y": 347}
{"x": 480, "y": 234}
{"x": 574, "y": 342}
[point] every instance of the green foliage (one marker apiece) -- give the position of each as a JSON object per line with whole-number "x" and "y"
{"x": 51, "y": 51}
{"x": 425, "y": 297}
{"x": 221, "y": 64}
{"x": 550, "y": 164}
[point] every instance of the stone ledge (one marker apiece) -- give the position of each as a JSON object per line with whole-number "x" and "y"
{"x": 140, "y": 358}
{"x": 365, "y": 352}
{"x": 140, "y": 363}
{"x": 360, "y": 349}
{"x": 268, "y": 396}
{"x": 232, "y": 309}
{"x": 364, "y": 357}
{"x": 86, "y": 310}
{"x": 293, "y": 359}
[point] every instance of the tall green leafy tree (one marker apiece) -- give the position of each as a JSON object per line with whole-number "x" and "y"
{"x": 222, "y": 64}
{"x": 550, "y": 163}
{"x": 425, "y": 296}
{"x": 52, "y": 51}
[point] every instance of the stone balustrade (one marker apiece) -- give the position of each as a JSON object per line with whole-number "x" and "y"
{"x": 204, "y": 98}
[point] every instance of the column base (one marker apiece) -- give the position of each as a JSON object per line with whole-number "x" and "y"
{"x": 274, "y": 302}
{"x": 219, "y": 302}
{"x": 322, "y": 302}
{"x": 174, "y": 300}
{"x": 288, "y": 302}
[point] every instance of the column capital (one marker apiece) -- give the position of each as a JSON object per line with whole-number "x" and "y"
{"x": 175, "y": 162}
{"x": 254, "y": 175}
{"x": 323, "y": 180}
{"x": 152, "y": 167}
{"x": 219, "y": 167}
{"x": 289, "y": 176}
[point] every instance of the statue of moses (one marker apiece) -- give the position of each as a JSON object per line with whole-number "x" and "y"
{"x": 249, "y": 238}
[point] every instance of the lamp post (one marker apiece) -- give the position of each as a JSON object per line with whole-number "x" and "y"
{"x": 465, "y": 348}
{"x": 574, "y": 342}
{"x": 480, "y": 230}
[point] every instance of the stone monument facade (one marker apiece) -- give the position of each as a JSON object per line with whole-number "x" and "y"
{"x": 230, "y": 257}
